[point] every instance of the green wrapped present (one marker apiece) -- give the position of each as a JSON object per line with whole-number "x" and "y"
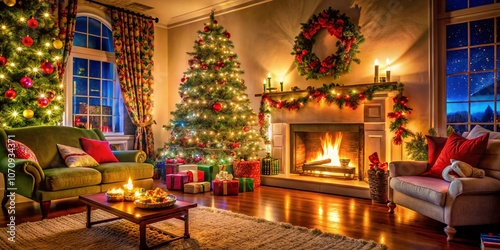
{"x": 209, "y": 172}
{"x": 246, "y": 184}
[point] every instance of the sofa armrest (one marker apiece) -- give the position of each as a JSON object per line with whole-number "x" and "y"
{"x": 403, "y": 168}
{"x": 23, "y": 167}
{"x": 486, "y": 185}
{"x": 138, "y": 156}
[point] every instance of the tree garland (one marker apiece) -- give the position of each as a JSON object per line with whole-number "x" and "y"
{"x": 338, "y": 25}
{"x": 352, "y": 99}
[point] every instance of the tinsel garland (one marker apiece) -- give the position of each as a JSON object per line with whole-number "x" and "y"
{"x": 351, "y": 99}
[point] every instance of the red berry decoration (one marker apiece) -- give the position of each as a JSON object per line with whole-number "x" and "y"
{"x": 50, "y": 95}
{"x": 26, "y": 82}
{"x": 47, "y": 68}
{"x": 32, "y": 23}
{"x": 3, "y": 61}
{"x": 10, "y": 94}
{"x": 43, "y": 102}
{"x": 206, "y": 29}
{"x": 217, "y": 107}
{"x": 27, "y": 41}
{"x": 227, "y": 35}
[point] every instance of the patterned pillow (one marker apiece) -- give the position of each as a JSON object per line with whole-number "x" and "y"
{"x": 20, "y": 150}
{"x": 75, "y": 157}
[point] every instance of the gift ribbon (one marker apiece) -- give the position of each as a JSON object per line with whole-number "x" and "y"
{"x": 195, "y": 175}
{"x": 224, "y": 176}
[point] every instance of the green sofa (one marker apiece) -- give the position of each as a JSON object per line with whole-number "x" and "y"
{"x": 51, "y": 179}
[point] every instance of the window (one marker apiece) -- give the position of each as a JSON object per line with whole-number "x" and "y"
{"x": 470, "y": 63}
{"x": 95, "y": 95}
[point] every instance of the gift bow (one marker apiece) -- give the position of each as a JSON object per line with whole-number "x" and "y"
{"x": 223, "y": 176}
{"x": 375, "y": 162}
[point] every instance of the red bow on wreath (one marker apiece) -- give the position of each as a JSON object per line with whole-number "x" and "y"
{"x": 376, "y": 164}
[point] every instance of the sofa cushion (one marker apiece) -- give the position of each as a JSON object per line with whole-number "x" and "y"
{"x": 75, "y": 157}
{"x": 66, "y": 178}
{"x": 435, "y": 145}
{"x": 479, "y": 131}
{"x": 98, "y": 149}
{"x": 20, "y": 150}
{"x": 121, "y": 171}
{"x": 432, "y": 190}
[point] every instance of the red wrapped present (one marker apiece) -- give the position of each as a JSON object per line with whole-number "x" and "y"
{"x": 226, "y": 187}
{"x": 177, "y": 181}
{"x": 194, "y": 175}
{"x": 171, "y": 168}
{"x": 248, "y": 169}
{"x": 197, "y": 187}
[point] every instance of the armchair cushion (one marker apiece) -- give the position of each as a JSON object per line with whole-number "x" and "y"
{"x": 423, "y": 188}
{"x": 67, "y": 178}
{"x": 434, "y": 147}
{"x": 98, "y": 149}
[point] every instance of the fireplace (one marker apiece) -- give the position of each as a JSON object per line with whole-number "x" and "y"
{"x": 331, "y": 150}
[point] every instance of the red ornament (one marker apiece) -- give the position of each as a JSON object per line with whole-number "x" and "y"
{"x": 10, "y": 94}
{"x": 3, "y": 61}
{"x": 183, "y": 79}
{"x": 217, "y": 107}
{"x": 206, "y": 29}
{"x": 27, "y": 41}
{"x": 230, "y": 58}
{"x": 50, "y": 95}
{"x": 214, "y": 22}
{"x": 43, "y": 102}
{"x": 47, "y": 68}
{"x": 200, "y": 42}
{"x": 227, "y": 35}
{"x": 245, "y": 129}
{"x": 32, "y": 23}
{"x": 26, "y": 82}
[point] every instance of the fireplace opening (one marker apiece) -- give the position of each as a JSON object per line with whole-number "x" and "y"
{"x": 327, "y": 150}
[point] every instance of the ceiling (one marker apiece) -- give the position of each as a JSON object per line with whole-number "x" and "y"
{"x": 172, "y": 13}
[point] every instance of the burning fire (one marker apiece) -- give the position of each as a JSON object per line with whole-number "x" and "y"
{"x": 330, "y": 150}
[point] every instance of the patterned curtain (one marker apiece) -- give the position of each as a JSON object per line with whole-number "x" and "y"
{"x": 64, "y": 12}
{"x": 133, "y": 39}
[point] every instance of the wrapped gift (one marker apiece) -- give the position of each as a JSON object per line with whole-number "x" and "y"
{"x": 223, "y": 167}
{"x": 197, "y": 187}
{"x": 209, "y": 172}
{"x": 248, "y": 169}
{"x": 171, "y": 168}
{"x": 160, "y": 171}
{"x": 224, "y": 184}
{"x": 176, "y": 181}
{"x": 194, "y": 175}
{"x": 270, "y": 166}
{"x": 186, "y": 167}
{"x": 246, "y": 184}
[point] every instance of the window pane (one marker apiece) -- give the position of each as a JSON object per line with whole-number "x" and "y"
{"x": 81, "y": 24}
{"x": 95, "y": 69}
{"x": 482, "y": 86}
{"x": 95, "y": 121}
{"x": 80, "y": 67}
{"x": 457, "y": 112}
{"x": 456, "y": 61}
{"x": 455, "y": 5}
{"x": 107, "y": 89}
{"x": 94, "y": 42}
{"x": 94, "y": 27}
{"x": 80, "y": 105}
{"x": 107, "y": 45}
{"x": 96, "y": 102}
{"x": 475, "y": 3}
{"x": 79, "y": 121}
{"x": 108, "y": 70}
{"x": 489, "y": 127}
{"x": 80, "y": 40}
{"x": 107, "y": 105}
{"x": 95, "y": 87}
{"x": 482, "y": 111}
{"x": 482, "y": 58}
{"x": 80, "y": 86}
{"x": 107, "y": 124}
{"x": 481, "y": 32}
{"x": 456, "y": 35}
{"x": 456, "y": 88}
{"x": 459, "y": 129}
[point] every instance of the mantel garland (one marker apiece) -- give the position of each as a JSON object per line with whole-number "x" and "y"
{"x": 342, "y": 96}
{"x": 338, "y": 25}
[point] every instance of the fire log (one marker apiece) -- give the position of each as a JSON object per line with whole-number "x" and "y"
{"x": 320, "y": 162}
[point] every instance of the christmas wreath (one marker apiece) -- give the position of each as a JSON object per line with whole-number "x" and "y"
{"x": 338, "y": 25}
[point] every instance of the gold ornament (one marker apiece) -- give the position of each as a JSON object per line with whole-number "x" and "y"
{"x": 57, "y": 44}
{"x": 10, "y": 3}
{"x": 28, "y": 113}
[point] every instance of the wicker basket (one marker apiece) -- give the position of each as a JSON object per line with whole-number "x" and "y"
{"x": 378, "y": 185}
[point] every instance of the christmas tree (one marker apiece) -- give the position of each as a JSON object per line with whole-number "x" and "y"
{"x": 213, "y": 123}
{"x": 29, "y": 50}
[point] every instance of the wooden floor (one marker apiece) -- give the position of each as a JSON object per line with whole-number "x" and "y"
{"x": 353, "y": 217}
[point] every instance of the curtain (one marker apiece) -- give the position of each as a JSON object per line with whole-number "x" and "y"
{"x": 133, "y": 41}
{"x": 64, "y": 12}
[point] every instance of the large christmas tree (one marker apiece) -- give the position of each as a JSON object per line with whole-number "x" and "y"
{"x": 29, "y": 49}
{"x": 214, "y": 122}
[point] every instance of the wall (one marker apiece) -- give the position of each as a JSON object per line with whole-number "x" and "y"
{"x": 263, "y": 36}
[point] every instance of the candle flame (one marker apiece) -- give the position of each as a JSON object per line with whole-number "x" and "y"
{"x": 387, "y": 62}
{"x": 376, "y": 62}
{"x": 129, "y": 186}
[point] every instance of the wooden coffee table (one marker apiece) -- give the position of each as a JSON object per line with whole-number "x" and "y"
{"x": 143, "y": 217}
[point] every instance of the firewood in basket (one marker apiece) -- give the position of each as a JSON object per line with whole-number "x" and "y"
{"x": 319, "y": 162}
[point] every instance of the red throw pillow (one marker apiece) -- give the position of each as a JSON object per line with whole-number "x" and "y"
{"x": 434, "y": 147}
{"x": 20, "y": 150}
{"x": 98, "y": 149}
{"x": 461, "y": 149}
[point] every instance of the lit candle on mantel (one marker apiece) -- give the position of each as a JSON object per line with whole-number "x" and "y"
{"x": 281, "y": 83}
{"x": 264, "y": 85}
{"x": 269, "y": 80}
{"x": 388, "y": 71}
{"x": 376, "y": 71}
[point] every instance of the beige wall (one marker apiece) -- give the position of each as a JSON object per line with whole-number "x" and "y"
{"x": 263, "y": 36}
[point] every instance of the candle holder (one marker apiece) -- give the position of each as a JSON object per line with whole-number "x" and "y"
{"x": 114, "y": 195}
{"x": 383, "y": 79}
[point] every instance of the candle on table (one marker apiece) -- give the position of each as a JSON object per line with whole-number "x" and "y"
{"x": 269, "y": 81}
{"x": 376, "y": 71}
{"x": 281, "y": 84}
{"x": 388, "y": 71}
{"x": 264, "y": 85}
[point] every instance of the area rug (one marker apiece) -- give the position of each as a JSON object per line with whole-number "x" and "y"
{"x": 210, "y": 228}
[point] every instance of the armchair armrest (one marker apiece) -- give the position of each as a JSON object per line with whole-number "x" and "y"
{"x": 486, "y": 185}
{"x": 23, "y": 167}
{"x": 404, "y": 168}
{"x": 138, "y": 156}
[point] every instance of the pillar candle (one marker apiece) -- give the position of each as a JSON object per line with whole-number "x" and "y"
{"x": 281, "y": 84}
{"x": 269, "y": 80}
{"x": 264, "y": 85}
{"x": 388, "y": 71}
{"x": 376, "y": 71}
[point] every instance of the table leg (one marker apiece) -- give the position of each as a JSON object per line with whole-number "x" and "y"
{"x": 142, "y": 236}
{"x": 186, "y": 225}
{"x": 89, "y": 209}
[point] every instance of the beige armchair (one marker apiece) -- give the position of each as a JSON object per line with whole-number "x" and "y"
{"x": 464, "y": 201}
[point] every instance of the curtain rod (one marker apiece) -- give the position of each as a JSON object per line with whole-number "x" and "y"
{"x": 125, "y": 10}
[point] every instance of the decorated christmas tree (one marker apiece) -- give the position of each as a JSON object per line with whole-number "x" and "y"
{"x": 31, "y": 93}
{"x": 213, "y": 123}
